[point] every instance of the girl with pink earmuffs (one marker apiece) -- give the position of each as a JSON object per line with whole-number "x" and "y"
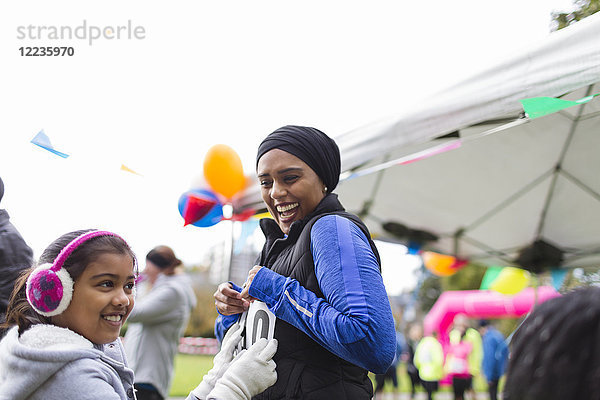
{"x": 65, "y": 316}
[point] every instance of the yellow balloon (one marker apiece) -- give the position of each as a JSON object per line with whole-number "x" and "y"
{"x": 223, "y": 170}
{"x": 510, "y": 281}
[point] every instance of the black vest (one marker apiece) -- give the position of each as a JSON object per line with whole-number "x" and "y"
{"x": 305, "y": 370}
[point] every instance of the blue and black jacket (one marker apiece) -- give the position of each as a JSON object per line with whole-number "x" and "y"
{"x": 323, "y": 283}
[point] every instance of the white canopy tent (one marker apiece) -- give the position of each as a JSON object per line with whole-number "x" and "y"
{"x": 502, "y": 180}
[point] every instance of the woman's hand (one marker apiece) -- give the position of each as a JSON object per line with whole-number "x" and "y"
{"x": 228, "y": 301}
{"x": 245, "y": 293}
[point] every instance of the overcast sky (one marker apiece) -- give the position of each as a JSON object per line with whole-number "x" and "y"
{"x": 200, "y": 73}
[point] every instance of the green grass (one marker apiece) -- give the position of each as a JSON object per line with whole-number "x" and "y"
{"x": 189, "y": 370}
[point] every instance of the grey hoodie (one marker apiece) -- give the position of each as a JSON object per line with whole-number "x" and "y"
{"x": 156, "y": 323}
{"x": 49, "y": 362}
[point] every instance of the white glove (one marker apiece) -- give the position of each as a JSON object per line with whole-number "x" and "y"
{"x": 251, "y": 373}
{"x": 220, "y": 362}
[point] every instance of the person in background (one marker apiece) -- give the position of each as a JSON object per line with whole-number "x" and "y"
{"x": 461, "y": 326}
{"x": 157, "y": 323}
{"x": 15, "y": 256}
{"x": 319, "y": 274}
{"x": 429, "y": 360}
{"x": 495, "y": 356}
{"x": 555, "y": 353}
{"x": 392, "y": 371}
{"x": 415, "y": 334}
{"x": 457, "y": 364}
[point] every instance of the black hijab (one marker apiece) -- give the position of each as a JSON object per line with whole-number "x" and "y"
{"x": 312, "y": 146}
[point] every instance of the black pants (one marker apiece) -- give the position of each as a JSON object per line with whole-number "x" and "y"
{"x": 431, "y": 387}
{"x": 145, "y": 391}
{"x": 389, "y": 374}
{"x": 493, "y": 389}
{"x": 460, "y": 385}
{"x": 414, "y": 382}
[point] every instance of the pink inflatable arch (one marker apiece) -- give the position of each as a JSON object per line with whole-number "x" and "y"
{"x": 480, "y": 304}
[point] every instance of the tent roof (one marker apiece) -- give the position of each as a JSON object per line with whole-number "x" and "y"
{"x": 511, "y": 180}
{"x": 567, "y": 60}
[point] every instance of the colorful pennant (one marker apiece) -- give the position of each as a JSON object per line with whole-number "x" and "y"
{"x": 536, "y": 107}
{"x": 127, "y": 169}
{"x": 43, "y": 141}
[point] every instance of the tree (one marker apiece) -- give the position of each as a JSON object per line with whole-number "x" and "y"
{"x": 588, "y": 276}
{"x": 202, "y": 318}
{"x": 467, "y": 278}
{"x": 429, "y": 292}
{"x": 584, "y": 8}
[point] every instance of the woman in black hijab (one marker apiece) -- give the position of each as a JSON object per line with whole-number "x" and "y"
{"x": 318, "y": 273}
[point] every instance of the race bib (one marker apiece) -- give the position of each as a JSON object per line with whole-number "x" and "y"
{"x": 258, "y": 322}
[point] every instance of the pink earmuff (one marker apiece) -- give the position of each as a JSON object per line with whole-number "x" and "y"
{"x": 50, "y": 287}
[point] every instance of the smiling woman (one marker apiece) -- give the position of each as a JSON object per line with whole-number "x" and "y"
{"x": 319, "y": 273}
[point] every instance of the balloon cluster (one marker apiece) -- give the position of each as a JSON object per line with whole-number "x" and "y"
{"x": 223, "y": 172}
{"x": 441, "y": 264}
{"x": 504, "y": 280}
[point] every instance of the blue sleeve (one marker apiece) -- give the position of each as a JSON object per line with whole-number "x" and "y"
{"x": 224, "y": 322}
{"x": 354, "y": 320}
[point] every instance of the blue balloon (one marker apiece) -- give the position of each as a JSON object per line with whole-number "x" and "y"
{"x": 213, "y": 217}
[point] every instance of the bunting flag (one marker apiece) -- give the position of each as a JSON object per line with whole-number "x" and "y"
{"x": 421, "y": 155}
{"x": 42, "y": 140}
{"x": 536, "y": 107}
{"x": 127, "y": 169}
{"x": 417, "y": 156}
{"x": 558, "y": 277}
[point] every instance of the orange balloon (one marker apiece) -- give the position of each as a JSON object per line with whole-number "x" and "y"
{"x": 439, "y": 264}
{"x": 223, "y": 170}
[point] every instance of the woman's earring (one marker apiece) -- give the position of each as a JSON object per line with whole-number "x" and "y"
{"x": 325, "y": 189}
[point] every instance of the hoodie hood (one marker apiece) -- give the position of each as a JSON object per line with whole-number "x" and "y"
{"x": 28, "y": 361}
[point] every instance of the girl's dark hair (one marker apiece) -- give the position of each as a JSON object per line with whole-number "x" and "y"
{"x": 556, "y": 351}
{"x": 19, "y": 311}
